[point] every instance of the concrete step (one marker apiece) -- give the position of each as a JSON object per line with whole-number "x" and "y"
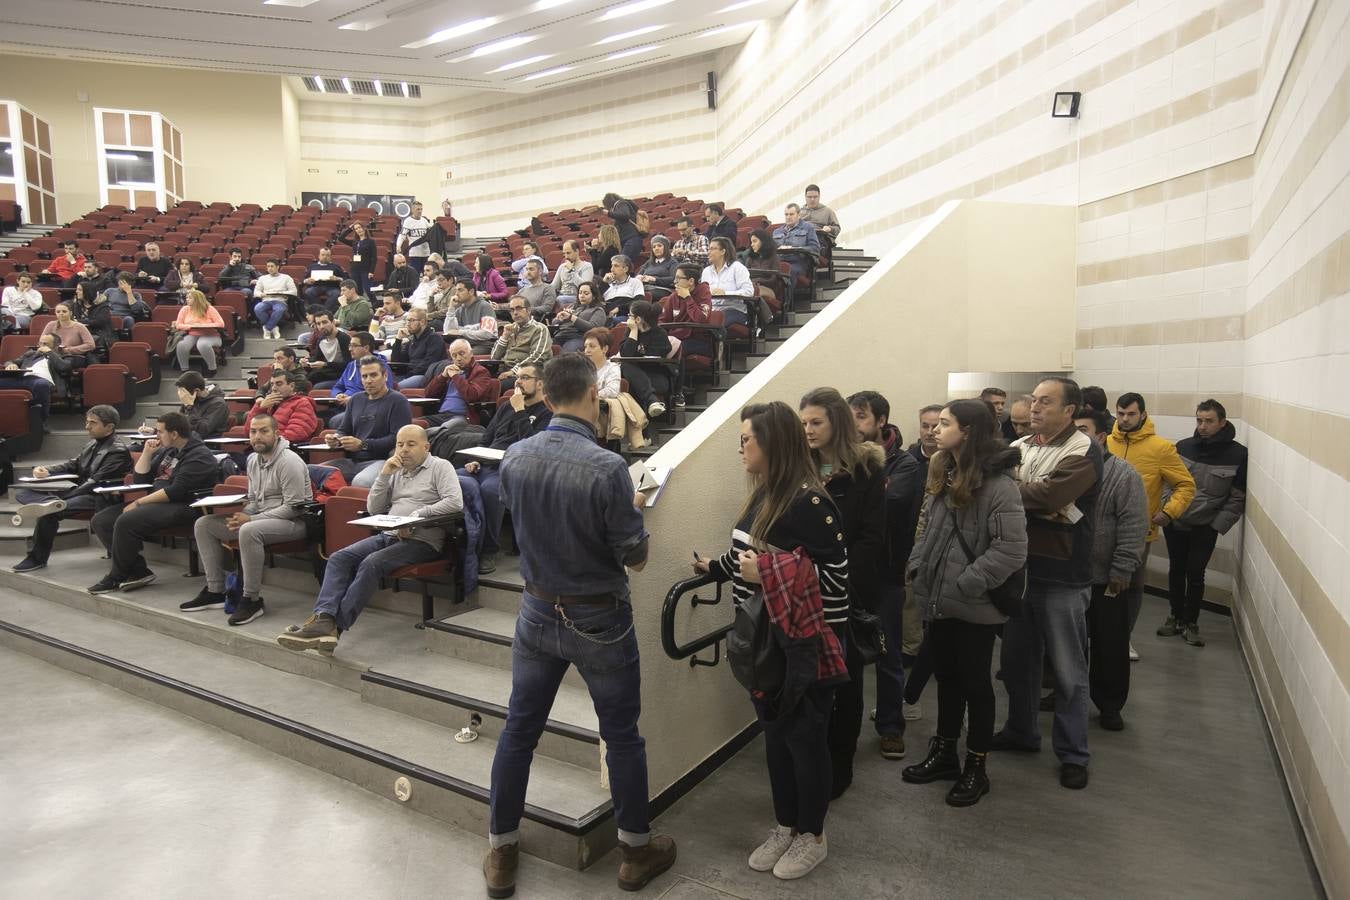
{"x": 482, "y": 635}
{"x": 318, "y": 724}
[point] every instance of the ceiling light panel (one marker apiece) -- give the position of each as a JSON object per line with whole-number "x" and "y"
{"x": 725, "y": 28}
{"x": 739, "y": 6}
{"x": 497, "y": 47}
{"x": 521, "y": 63}
{"x": 625, "y": 35}
{"x": 449, "y": 34}
{"x": 548, "y": 73}
{"x": 622, "y": 54}
{"x": 629, "y": 9}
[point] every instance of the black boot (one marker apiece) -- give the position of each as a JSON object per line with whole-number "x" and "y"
{"x": 941, "y": 763}
{"x": 973, "y": 783}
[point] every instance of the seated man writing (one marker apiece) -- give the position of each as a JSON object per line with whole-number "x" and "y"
{"x": 374, "y": 417}
{"x": 103, "y": 461}
{"x": 524, "y": 415}
{"x": 278, "y": 483}
{"x": 411, "y": 482}
{"x": 180, "y": 469}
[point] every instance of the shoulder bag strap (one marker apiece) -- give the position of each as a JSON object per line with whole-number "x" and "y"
{"x": 960, "y": 539}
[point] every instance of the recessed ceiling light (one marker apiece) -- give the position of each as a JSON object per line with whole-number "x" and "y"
{"x": 547, "y": 4}
{"x": 528, "y": 61}
{"x": 364, "y": 24}
{"x": 623, "y": 36}
{"x": 629, "y": 9}
{"x": 347, "y": 83}
{"x": 449, "y": 34}
{"x": 497, "y": 47}
{"x": 725, "y": 28}
{"x": 548, "y": 72}
{"x": 741, "y": 5}
{"x": 633, "y": 52}
{"x": 318, "y": 83}
{"x": 295, "y": 3}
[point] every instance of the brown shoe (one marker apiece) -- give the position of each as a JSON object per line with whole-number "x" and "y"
{"x": 641, "y": 864}
{"x": 499, "y": 870}
{"x": 892, "y": 746}
{"x": 320, "y": 632}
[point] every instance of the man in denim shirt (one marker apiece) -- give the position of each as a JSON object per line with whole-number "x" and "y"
{"x": 577, "y": 524}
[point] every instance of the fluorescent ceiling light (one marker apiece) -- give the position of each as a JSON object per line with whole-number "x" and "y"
{"x": 547, "y": 4}
{"x": 405, "y": 88}
{"x": 114, "y": 154}
{"x": 527, "y": 61}
{"x": 377, "y": 87}
{"x": 725, "y": 28}
{"x": 633, "y": 52}
{"x": 364, "y": 24}
{"x": 497, "y": 47}
{"x": 629, "y": 9}
{"x": 741, "y": 5}
{"x": 623, "y": 36}
{"x": 299, "y": 4}
{"x": 548, "y": 72}
{"x": 449, "y": 34}
{"x": 318, "y": 83}
{"x": 347, "y": 83}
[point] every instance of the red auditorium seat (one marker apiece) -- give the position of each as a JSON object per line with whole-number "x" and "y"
{"x": 155, "y": 335}
{"x": 20, "y": 422}
{"x": 111, "y": 384}
{"x": 140, "y": 362}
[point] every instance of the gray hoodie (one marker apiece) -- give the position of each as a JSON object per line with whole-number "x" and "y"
{"x": 278, "y": 484}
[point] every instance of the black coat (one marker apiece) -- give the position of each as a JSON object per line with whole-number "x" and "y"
{"x": 99, "y": 463}
{"x": 860, "y": 497}
{"x": 905, "y": 480}
{"x": 508, "y": 426}
{"x": 331, "y": 370}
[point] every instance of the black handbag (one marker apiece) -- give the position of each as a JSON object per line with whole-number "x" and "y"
{"x": 757, "y": 661}
{"x": 866, "y": 635}
{"x": 1007, "y": 597}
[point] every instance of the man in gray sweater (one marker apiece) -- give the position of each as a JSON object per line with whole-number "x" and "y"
{"x": 1117, "y": 552}
{"x": 278, "y": 482}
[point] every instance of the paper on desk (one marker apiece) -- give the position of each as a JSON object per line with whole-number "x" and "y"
{"x": 650, "y": 480}
{"x": 221, "y": 500}
{"x": 489, "y": 454}
{"x": 386, "y": 521}
{"x": 123, "y": 488}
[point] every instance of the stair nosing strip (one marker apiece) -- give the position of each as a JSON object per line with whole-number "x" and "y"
{"x": 576, "y": 827}
{"x": 468, "y": 631}
{"x": 575, "y": 732}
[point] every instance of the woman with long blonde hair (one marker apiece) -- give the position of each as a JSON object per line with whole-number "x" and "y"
{"x": 201, "y": 325}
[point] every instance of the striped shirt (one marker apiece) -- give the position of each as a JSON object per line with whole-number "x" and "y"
{"x": 811, "y": 523}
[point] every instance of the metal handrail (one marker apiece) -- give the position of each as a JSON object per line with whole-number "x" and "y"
{"x": 711, "y": 639}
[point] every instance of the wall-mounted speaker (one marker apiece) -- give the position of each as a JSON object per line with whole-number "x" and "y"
{"x": 712, "y": 90}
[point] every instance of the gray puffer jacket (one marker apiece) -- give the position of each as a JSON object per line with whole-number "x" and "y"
{"x": 946, "y": 584}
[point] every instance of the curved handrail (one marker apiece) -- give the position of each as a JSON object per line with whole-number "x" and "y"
{"x": 668, "y": 609}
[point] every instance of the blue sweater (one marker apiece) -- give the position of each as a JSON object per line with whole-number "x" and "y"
{"x": 376, "y": 422}
{"x": 350, "y": 382}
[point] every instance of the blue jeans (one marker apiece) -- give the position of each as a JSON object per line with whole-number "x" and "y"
{"x": 412, "y": 381}
{"x": 354, "y": 572}
{"x": 490, "y": 486}
{"x": 607, "y": 658}
{"x": 270, "y": 312}
{"x": 1053, "y": 621}
{"x": 890, "y": 669}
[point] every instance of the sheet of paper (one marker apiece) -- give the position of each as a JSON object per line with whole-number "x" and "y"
{"x": 50, "y": 478}
{"x": 123, "y": 488}
{"x": 386, "y": 521}
{"x": 221, "y": 500}
{"x": 488, "y": 453}
{"x": 648, "y": 479}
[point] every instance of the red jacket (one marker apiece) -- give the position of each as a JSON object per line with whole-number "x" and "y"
{"x": 63, "y": 269}
{"x": 475, "y": 385}
{"x": 296, "y": 418}
{"x": 694, "y": 308}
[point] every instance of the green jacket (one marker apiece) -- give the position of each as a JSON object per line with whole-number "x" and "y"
{"x": 355, "y": 316}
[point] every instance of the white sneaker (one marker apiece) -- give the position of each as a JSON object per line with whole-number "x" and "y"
{"x": 1134, "y": 654}
{"x": 803, "y": 856}
{"x": 31, "y": 511}
{"x": 767, "y": 854}
{"x": 912, "y": 711}
{"x": 656, "y": 409}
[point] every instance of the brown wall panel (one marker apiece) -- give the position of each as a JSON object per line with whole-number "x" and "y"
{"x": 114, "y": 128}
{"x": 44, "y": 136}
{"x": 142, "y": 131}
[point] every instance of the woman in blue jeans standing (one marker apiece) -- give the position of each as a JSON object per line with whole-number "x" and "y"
{"x": 788, "y": 510}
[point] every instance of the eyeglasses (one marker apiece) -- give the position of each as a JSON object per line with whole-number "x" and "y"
{"x": 517, "y": 308}
{"x": 520, "y": 378}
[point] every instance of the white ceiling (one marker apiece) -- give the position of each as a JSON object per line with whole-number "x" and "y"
{"x": 365, "y": 39}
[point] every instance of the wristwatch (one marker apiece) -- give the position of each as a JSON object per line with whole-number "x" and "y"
{"x": 364, "y": 445}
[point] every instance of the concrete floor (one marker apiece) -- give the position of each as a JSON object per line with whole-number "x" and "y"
{"x": 108, "y": 796}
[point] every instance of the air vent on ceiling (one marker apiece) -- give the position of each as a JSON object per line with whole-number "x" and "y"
{"x": 334, "y": 86}
{"x": 364, "y": 87}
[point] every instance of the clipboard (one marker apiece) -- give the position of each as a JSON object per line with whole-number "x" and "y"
{"x": 650, "y": 480}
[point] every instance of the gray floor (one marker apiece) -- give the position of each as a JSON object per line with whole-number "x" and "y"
{"x": 105, "y": 795}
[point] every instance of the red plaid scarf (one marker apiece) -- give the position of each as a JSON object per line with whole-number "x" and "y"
{"x": 792, "y": 599}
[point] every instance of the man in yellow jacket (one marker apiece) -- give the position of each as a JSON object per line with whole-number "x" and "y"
{"x": 1155, "y": 458}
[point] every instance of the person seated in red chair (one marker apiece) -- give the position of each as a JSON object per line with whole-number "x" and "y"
{"x": 524, "y": 415}
{"x": 461, "y": 383}
{"x": 44, "y": 364}
{"x": 181, "y": 470}
{"x": 691, "y": 301}
{"x": 296, "y": 418}
{"x": 329, "y": 349}
{"x": 278, "y": 483}
{"x": 412, "y": 482}
{"x": 66, "y": 267}
{"x": 105, "y": 460}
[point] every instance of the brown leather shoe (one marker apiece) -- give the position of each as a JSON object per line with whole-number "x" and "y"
{"x": 499, "y": 870}
{"x": 641, "y": 864}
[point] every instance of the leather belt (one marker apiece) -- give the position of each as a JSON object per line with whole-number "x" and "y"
{"x": 568, "y": 599}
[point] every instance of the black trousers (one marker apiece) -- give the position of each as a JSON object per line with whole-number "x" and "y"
{"x": 639, "y": 383}
{"x": 123, "y": 534}
{"x": 1108, "y": 622}
{"x": 920, "y": 671}
{"x": 847, "y": 717}
{"x": 44, "y": 532}
{"x": 962, "y": 653}
{"x": 1188, "y": 554}
{"x": 799, "y": 761}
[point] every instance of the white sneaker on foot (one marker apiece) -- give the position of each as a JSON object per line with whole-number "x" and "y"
{"x": 767, "y": 854}
{"x": 28, "y": 512}
{"x": 912, "y": 711}
{"x": 1134, "y": 654}
{"x": 803, "y": 856}
{"x": 656, "y": 410}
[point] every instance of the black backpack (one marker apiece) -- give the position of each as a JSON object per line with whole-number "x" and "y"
{"x": 756, "y": 659}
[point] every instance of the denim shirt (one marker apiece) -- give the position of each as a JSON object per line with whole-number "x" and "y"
{"x": 571, "y": 504}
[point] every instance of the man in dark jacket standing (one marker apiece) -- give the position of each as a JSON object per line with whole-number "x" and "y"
{"x": 1218, "y": 463}
{"x": 904, "y": 497}
{"x": 103, "y": 461}
{"x": 1059, "y": 478}
{"x": 180, "y": 469}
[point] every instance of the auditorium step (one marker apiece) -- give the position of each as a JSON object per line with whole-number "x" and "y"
{"x": 386, "y": 704}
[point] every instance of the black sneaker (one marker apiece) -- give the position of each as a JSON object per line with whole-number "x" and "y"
{"x": 1004, "y": 743}
{"x": 105, "y": 585}
{"x": 1112, "y": 721}
{"x": 1073, "y": 776}
{"x": 138, "y": 580}
{"x": 1191, "y": 635}
{"x": 246, "y": 611}
{"x": 487, "y": 563}
{"x": 679, "y": 401}
{"x": 205, "y": 599}
{"x": 29, "y": 565}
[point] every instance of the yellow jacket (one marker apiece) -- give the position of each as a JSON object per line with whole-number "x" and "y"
{"x": 1156, "y": 460}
